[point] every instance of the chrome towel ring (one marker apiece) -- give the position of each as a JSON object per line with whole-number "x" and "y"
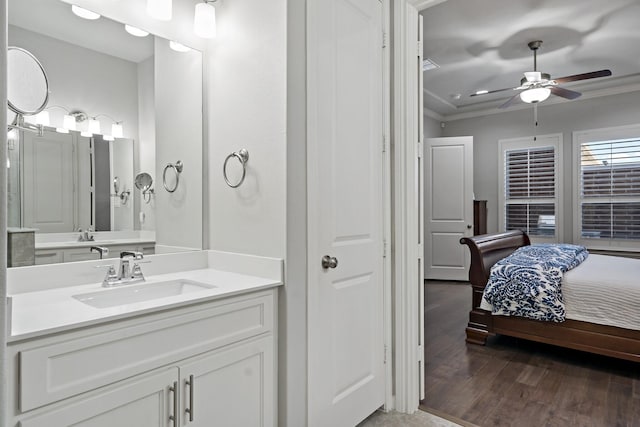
{"x": 243, "y": 157}
{"x": 177, "y": 169}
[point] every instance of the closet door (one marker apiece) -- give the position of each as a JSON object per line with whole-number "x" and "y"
{"x": 345, "y": 205}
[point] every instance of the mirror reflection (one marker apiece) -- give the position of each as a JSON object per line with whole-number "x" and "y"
{"x": 111, "y": 117}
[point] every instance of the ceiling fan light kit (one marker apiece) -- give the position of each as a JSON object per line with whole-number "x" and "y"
{"x": 536, "y": 87}
{"x": 538, "y": 94}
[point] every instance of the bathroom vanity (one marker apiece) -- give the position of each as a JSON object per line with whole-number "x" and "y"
{"x": 187, "y": 347}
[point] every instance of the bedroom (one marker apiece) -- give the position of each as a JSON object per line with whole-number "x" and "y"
{"x": 591, "y": 36}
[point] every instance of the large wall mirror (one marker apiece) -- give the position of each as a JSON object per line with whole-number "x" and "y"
{"x": 102, "y": 74}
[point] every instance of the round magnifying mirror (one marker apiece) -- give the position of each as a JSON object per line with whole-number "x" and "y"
{"x": 11, "y": 117}
{"x": 143, "y": 181}
{"x": 27, "y": 84}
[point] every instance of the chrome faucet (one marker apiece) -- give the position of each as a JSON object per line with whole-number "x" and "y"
{"x": 85, "y": 236}
{"x": 102, "y": 250}
{"x": 125, "y": 274}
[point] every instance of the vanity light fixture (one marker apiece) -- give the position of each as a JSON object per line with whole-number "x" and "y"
{"x": 68, "y": 121}
{"x": 537, "y": 94}
{"x": 178, "y": 47}
{"x": 42, "y": 118}
{"x": 204, "y": 22}
{"x": 159, "y": 9}
{"x": 117, "y": 130}
{"x": 84, "y": 13}
{"x": 135, "y": 31}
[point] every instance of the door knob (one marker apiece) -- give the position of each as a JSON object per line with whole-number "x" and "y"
{"x": 329, "y": 261}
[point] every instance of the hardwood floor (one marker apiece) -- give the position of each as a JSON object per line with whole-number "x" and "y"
{"x": 513, "y": 382}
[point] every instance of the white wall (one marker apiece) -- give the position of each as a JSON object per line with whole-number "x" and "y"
{"x": 84, "y": 79}
{"x": 145, "y": 155}
{"x": 247, "y": 109}
{"x": 566, "y": 117}
{"x": 178, "y": 84}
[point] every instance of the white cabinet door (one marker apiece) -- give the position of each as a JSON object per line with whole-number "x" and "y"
{"x": 234, "y": 387}
{"x": 145, "y": 401}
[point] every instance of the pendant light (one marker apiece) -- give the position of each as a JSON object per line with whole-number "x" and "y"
{"x": 159, "y": 9}
{"x": 204, "y": 23}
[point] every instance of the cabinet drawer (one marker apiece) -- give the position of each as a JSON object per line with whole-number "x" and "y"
{"x": 54, "y": 372}
{"x": 48, "y": 257}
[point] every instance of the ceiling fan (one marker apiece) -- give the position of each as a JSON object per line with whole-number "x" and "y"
{"x": 536, "y": 86}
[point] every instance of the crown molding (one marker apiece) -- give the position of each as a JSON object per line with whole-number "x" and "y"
{"x": 433, "y": 114}
{"x": 598, "y": 93}
{"x": 425, "y": 4}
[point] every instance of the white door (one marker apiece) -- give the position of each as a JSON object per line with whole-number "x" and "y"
{"x": 345, "y": 205}
{"x": 448, "y": 206}
{"x": 231, "y": 388}
{"x": 48, "y": 176}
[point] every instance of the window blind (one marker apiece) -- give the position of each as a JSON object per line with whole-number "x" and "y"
{"x": 530, "y": 190}
{"x": 610, "y": 189}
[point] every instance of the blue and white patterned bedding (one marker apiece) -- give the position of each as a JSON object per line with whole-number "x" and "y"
{"x": 527, "y": 282}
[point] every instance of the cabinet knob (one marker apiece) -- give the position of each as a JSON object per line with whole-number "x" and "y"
{"x": 469, "y": 226}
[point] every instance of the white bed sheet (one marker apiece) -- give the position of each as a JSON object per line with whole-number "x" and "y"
{"x": 604, "y": 290}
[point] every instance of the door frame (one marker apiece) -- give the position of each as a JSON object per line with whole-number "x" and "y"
{"x": 407, "y": 245}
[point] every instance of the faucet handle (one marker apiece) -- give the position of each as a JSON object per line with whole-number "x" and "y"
{"x": 134, "y": 254}
{"x": 109, "y": 266}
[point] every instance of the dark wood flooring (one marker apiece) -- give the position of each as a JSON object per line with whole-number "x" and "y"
{"x": 513, "y": 382}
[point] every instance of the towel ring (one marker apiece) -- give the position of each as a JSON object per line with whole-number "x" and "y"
{"x": 243, "y": 157}
{"x": 177, "y": 168}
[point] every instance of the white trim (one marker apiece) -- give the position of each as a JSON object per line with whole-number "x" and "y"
{"x": 601, "y": 134}
{"x": 386, "y": 173}
{"x": 490, "y": 110}
{"x": 405, "y": 151}
{"x": 4, "y": 308}
{"x": 425, "y": 4}
{"x": 551, "y": 140}
{"x": 430, "y": 113}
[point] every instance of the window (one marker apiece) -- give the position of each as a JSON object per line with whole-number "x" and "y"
{"x": 608, "y": 191}
{"x": 529, "y": 186}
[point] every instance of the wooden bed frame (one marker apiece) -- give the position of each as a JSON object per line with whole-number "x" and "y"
{"x": 486, "y": 250}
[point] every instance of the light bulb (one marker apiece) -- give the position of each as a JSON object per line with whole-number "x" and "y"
{"x": 42, "y": 118}
{"x": 159, "y": 9}
{"x": 534, "y": 95}
{"x": 84, "y": 13}
{"x": 69, "y": 122}
{"x": 135, "y": 31}
{"x": 94, "y": 126}
{"x": 178, "y": 47}
{"x": 204, "y": 23}
{"x": 116, "y": 130}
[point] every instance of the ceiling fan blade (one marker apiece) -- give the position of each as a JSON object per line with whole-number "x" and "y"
{"x": 564, "y": 93}
{"x": 584, "y": 76}
{"x": 494, "y": 91}
{"x": 510, "y": 101}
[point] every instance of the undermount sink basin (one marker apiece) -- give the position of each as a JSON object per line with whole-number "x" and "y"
{"x": 129, "y": 294}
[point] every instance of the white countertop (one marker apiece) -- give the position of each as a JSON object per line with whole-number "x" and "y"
{"x": 46, "y": 311}
{"x": 88, "y": 243}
